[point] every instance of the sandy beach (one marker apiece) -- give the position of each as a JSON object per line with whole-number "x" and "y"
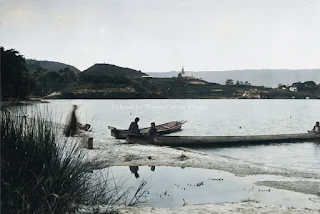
{"x": 223, "y": 208}
{"x": 121, "y": 154}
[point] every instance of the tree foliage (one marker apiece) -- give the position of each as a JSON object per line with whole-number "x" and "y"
{"x": 246, "y": 83}
{"x": 307, "y": 86}
{"x": 229, "y": 82}
{"x": 50, "y": 81}
{"x": 15, "y": 79}
{"x": 102, "y": 79}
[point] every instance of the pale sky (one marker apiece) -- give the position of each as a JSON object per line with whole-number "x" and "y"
{"x": 163, "y": 35}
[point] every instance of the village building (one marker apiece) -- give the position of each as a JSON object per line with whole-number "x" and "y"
{"x": 252, "y": 94}
{"x": 293, "y": 89}
{"x": 183, "y": 75}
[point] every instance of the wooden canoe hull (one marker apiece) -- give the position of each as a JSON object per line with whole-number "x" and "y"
{"x": 194, "y": 141}
{"x": 166, "y": 128}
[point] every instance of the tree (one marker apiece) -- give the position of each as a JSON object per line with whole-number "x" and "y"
{"x": 15, "y": 80}
{"x": 310, "y": 84}
{"x": 247, "y": 83}
{"x": 229, "y": 82}
{"x": 67, "y": 75}
{"x": 53, "y": 76}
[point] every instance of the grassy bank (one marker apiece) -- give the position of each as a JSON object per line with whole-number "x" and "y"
{"x": 43, "y": 172}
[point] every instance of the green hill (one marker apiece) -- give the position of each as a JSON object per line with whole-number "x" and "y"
{"x": 112, "y": 71}
{"x": 34, "y": 65}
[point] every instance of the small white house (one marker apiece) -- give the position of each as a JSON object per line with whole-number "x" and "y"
{"x": 293, "y": 89}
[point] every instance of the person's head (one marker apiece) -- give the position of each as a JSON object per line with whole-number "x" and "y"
{"x": 136, "y": 120}
{"x": 153, "y": 168}
{"x": 87, "y": 127}
{"x": 317, "y": 123}
{"x": 153, "y": 124}
{"x": 75, "y": 107}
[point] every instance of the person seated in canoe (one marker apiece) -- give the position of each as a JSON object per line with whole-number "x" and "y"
{"x": 316, "y": 128}
{"x": 134, "y": 127}
{"x": 152, "y": 132}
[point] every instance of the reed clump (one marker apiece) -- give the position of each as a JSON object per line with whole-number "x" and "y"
{"x": 44, "y": 172}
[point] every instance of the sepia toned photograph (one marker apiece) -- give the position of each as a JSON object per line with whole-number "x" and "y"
{"x": 160, "y": 106}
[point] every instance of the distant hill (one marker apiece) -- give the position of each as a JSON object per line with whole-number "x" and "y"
{"x": 265, "y": 77}
{"x": 32, "y": 65}
{"x": 112, "y": 70}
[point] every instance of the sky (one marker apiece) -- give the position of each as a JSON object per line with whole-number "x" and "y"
{"x": 164, "y": 35}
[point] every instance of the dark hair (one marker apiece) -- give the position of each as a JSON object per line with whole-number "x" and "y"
{"x": 153, "y": 123}
{"x": 137, "y": 119}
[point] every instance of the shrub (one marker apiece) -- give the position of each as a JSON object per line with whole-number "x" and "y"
{"x": 43, "y": 172}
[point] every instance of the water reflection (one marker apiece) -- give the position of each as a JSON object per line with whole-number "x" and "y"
{"x": 197, "y": 186}
{"x": 134, "y": 170}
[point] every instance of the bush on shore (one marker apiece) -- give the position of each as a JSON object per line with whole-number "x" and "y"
{"x": 43, "y": 172}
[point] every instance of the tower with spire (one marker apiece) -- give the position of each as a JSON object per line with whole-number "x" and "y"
{"x": 183, "y": 75}
{"x": 182, "y": 71}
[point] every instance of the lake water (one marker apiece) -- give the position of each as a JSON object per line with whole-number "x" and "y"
{"x": 174, "y": 186}
{"x": 212, "y": 117}
{"x": 170, "y": 186}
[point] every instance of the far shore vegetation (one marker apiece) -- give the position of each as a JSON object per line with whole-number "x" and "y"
{"x": 23, "y": 79}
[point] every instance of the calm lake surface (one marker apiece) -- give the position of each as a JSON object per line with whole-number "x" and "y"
{"x": 172, "y": 186}
{"x": 212, "y": 117}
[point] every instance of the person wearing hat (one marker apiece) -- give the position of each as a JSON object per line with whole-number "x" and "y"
{"x": 134, "y": 127}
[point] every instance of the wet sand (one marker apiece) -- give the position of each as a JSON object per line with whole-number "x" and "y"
{"x": 223, "y": 208}
{"x": 144, "y": 155}
{"x": 307, "y": 187}
{"x": 120, "y": 154}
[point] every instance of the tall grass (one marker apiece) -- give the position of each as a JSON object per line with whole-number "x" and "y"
{"x": 43, "y": 172}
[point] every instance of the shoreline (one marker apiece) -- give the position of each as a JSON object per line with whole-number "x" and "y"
{"x": 133, "y": 154}
{"x": 223, "y": 208}
{"x": 9, "y": 103}
{"x": 120, "y": 154}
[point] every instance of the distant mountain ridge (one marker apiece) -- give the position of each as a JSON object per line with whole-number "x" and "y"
{"x": 112, "y": 70}
{"x": 33, "y": 65}
{"x": 265, "y": 77}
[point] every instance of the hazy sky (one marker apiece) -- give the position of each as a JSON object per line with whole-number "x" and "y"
{"x": 163, "y": 35}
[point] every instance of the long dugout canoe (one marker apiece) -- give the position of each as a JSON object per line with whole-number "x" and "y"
{"x": 166, "y": 128}
{"x": 193, "y": 141}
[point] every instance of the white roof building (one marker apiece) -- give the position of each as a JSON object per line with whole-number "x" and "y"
{"x": 186, "y": 76}
{"x": 293, "y": 88}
